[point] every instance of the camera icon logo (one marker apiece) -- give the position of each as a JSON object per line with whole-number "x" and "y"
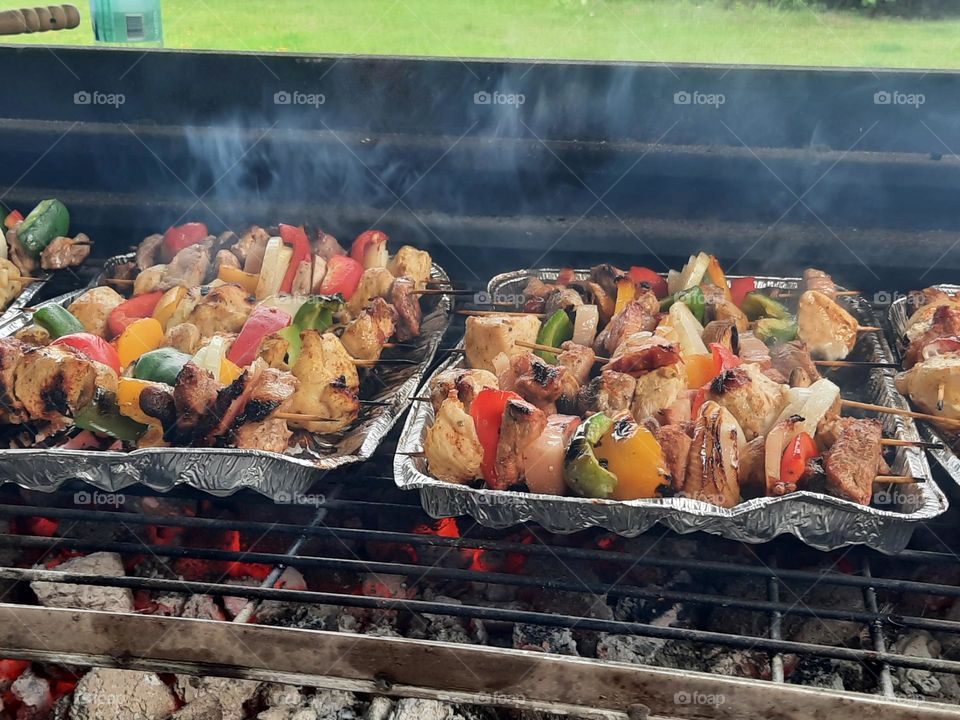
{"x": 81, "y": 498}
{"x": 82, "y": 98}
{"x": 882, "y": 97}
{"x": 282, "y": 97}
{"x": 682, "y": 97}
{"x": 482, "y": 98}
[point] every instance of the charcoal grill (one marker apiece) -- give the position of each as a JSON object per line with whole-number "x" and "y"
{"x": 796, "y": 167}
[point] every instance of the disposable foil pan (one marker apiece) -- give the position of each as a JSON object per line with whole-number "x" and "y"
{"x": 898, "y": 315}
{"x": 15, "y": 308}
{"x": 819, "y": 520}
{"x": 223, "y": 471}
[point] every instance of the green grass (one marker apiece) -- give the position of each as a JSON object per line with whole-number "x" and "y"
{"x": 651, "y": 30}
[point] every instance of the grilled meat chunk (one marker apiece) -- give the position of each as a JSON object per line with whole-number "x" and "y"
{"x": 326, "y": 246}
{"x": 562, "y": 298}
{"x": 675, "y": 444}
{"x": 606, "y": 276}
{"x": 188, "y": 267}
{"x": 851, "y": 462}
{"x": 536, "y": 380}
{"x": 818, "y": 280}
{"x": 94, "y": 307}
{"x": 225, "y": 259}
{"x": 33, "y": 335}
{"x": 923, "y": 381}
{"x": 271, "y": 435}
{"x": 407, "y": 306}
{"x": 753, "y": 399}
{"x": 412, "y": 263}
{"x": 720, "y": 309}
{"x": 610, "y": 392}
{"x": 11, "y": 409}
{"x": 752, "y": 473}
{"x": 789, "y": 356}
{"x": 466, "y": 384}
{"x": 150, "y": 280}
{"x": 922, "y": 319}
{"x": 722, "y": 332}
{"x": 657, "y": 391}
{"x": 148, "y": 252}
{"x": 451, "y": 444}
{"x": 194, "y": 396}
{"x": 714, "y": 457}
{"x": 63, "y": 252}
{"x": 829, "y": 331}
{"x": 488, "y": 336}
{"x": 754, "y": 351}
{"x": 185, "y": 337}
{"x": 365, "y": 335}
{"x": 944, "y": 324}
{"x": 249, "y": 399}
{"x": 375, "y": 282}
{"x": 522, "y": 424}
{"x": 53, "y": 381}
{"x": 223, "y": 309}
{"x": 642, "y": 352}
{"x": 637, "y": 316}
{"x": 250, "y": 247}
{"x": 579, "y": 360}
{"x": 328, "y": 384}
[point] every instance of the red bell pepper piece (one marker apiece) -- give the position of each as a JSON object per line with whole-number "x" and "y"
{"x": 368, "y": 243}
{"x": 699, "y": 398}
{"x": 179, "y": 237}
{"x": 487, "y": 413}
{"x": 297, "y": 238}
{"x": 650, "y": 278}
{"x": 139, "y": 306}
{"x": 723, "y": 359}
{"x": 93, "y": 346}
{"x": 739, "y": 287}
{"x": 343, "y": 276}
{"x": 12, "y": 218}
{"x": 566, "y": 276}
{"x": 262, "y": 322}
{"x": 799, "y": 452}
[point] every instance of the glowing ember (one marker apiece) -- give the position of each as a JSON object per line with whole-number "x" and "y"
{"x": 238, "y": 569}
{"x": 163, "y": 534}
{"x": 12, "y": 669}
{"x": 44, "y": 527}
{"x": 60, "y": 558}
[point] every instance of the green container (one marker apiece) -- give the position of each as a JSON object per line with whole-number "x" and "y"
{"x": 127, "y": 21}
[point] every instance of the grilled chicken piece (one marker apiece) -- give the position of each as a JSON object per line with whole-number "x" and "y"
{"x": 150, "y": 280}
{"x": 250, "y": 247}
{"x": 224, "y": 308}
{"x": 819, "y": 281}
{"x": 657, "y": 391}
{"x": 851, "y": 462}
{"x": 326, "y": 246}
{"x": 375, "y": 282}
{"x": 451, "y": 445}
{"x": 148, "y": 252}
{"x": 714, "y": 457}
{"x": 923, "y": 381}
{"x": 720, "y": 309}
{"x": 537, "y": 288}
{"x": 921, "y": 320}
{"x": 579, "y": 360}
{"x": 562, "y": 298}
{"x": 722, "y": 332}
{"x": 273, "y": 351}
{"x": 637, "y": 316}
{"x": 225, "y": 259}
{"x": 412, "y": 263}
{"x": 611, "y": 392}
{"x": 63, "y": 252}
{"x": 328, "y": 384}
{"x": 185, "y": 337}
{"x": 271, "y": 435}
{"x": 365, "y": 336}
{"x": 188, "y": 267}
{"x": 466, "y": 384}
{"x": 10, "y": 286}
{"x": 753, "y": 399}
{"x": 606, "y": 276}
{"x": 489, "y": 335}
{"x": 642, "y": 352}
{"x": 11, "y": 409}
{"x": 194, "y": 397}
{"x": 829, "y": 331}
{"x": 752, "y": 472}
{"x": 675, "y": 444}
{"x": 754, "y": 351}
{"x": 541, "y": 383}
{"x": 53, "y": 381}
{"x": 33, "y": 335}
{"x": 249, "y": 399}
{"x": 522, "y": 424}
{"x": 943, "y": 324}
{"x": 407, "y": 306}
{"x": 94, "y": 307}
{"x": 790, "y": 356}
{"x": 24, "y": 261}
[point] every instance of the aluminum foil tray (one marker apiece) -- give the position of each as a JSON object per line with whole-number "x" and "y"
{"x": 15, "y": 309}
{"x": 898, "y": 315}
{"x": 223, "y": 471}
{"x": 819, "y": 520}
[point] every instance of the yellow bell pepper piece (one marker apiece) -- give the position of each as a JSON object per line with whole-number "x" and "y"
{"x": 229, "y": 371}
{"x": 168, "y": 304}
{"x": 718, "y": 277}
{"x": 128, "y": 399}
{"x": 626, "y": 292}
{"x": 701, "y": 369}
{"x": 140, "y": 337}
{"x": 248, "y": 281}
{"x": 632, "y": 453}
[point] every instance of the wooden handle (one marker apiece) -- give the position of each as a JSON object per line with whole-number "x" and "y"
{"x": 39, "y": 19}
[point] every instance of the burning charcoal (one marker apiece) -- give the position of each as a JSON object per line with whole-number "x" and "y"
{"x": 332, "y": 705}
{"x": 204, "y": 607}
{"x": 229, "y": 694}
{"x": 923, "y": 684}
{"x": 742, "y": 663}
{"x": 34, "y": 693}
{"x": 545, "y": 639}
{"x": 170, "y": 605}
{"x": 87, "y": 597}
{"x": 205, "y": 708}
{"x": 381, "y": 708}
{"x": 408, "y": 709}
{"x": 121, "y": 695}
{"x": 632, "y": 649}
{"x": 829, "y": 632}
{"x": 830, "y": 674}
{"x": 445, "y": 628}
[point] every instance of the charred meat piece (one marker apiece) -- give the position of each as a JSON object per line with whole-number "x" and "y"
{"x": 451, "y": 444}
{"x": 195, "y": 397}
{"x": 579, "y": 360}
{"x": 53, "y": 381}
{"x": 249, "y": 399}
{"x": 789, "y": 356}
{"x": 818, "y": 280}
{"x": 642, "y": 352}
{"x": 250, "y": 247}
{"x": 722, "y": 332}
{"x": 606, "y": 276}
{"x": 188, "y": 267}
{"x": 407, "y": 306}
{"x": 466, "y": 384}
{"x": 522, "y": 424}
{"x": 675, "y": 444}
{"x": 828, "y": 331}
{"x": 714, "y": 457}
{"x": 148, "y": 251}
{"x": 365, "y": 336}
{"x": 752, "y": 473}
{"x": 156, "y": 400}
{"x": 537, "y": 288}
{"x": 326, "y": 246}
{"x": 328, "y": 384}
{"x": 640, "y": 315}
{"x": 562, "y": 298}
{"x": 63, "y": 252}
{"x": 224, "y": 309}
{"x": 94, "y": 307}
{"x": 376, "y": 282}
{"x": 611, "y": 392}
{"x": 943, "y": 324}
{"x": 536, "y": 380}
{"x": 657, "y": 391}
{"x": 851, "y": 462}
{"x": 271, "y": 435}
{"x": 11, "y": 409}
{"x": 185, "y": 337}
{"x": 753, "y": 399}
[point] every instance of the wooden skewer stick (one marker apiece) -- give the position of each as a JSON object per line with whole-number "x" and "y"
{"x": 384, "y": 361}
{"x": 551, "y": 349}
{"x": 940, "y": 390}
{"x": 303, "y": 417}
{"x": 895, "y": 479}
{"x": 26, "y": 279}
{"x": 484, "y": 313}
{"x": 854, "y": 363}
{"x": 441, "y": 291}
{"x": 951, "y": 422}
{"x": 838, "y": 293}
{"x": 119, "y": 281}
{"x": 868, "y": 328}
{"x": 892, "y": 442}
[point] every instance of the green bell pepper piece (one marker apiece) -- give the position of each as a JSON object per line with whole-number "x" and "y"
{"x": 775, "y": 330}
{"x": 317, "y": 312}
{"x": 693, "y": 298}
{"x": 45, "y": 222}
{"x": 554, "y": 332}
{"x": 756, "y": 305}
{"x": 161, "y": 365}
{"x": 57, "y": 320}
{"x": 291, "y": 333}
{"x": 102, "y": 415}
{"x": 582, "y": 471}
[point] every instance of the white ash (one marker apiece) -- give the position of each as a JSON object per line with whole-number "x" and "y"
{"x": 34, "y": 693}
{"x": 826, "y": 632}
{"x": 831, "y": 675}
{"x": 917, "y": 683}
{"x": 414, "y": 709}
{"x": 445, "y": 628}
{"x": 381, "y": 708}
{"x": 170, "y": 605}
{"x": 205, "y": 708}
{"x": 202, "y": 606}
{"x": 559, "y": 641}
{"x": 121, "y": 695}
{"x": 637, "y": 649}
{"x": 229, "y": 693}
{"x": 87, "y": 597}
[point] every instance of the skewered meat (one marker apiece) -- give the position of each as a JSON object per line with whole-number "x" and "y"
{"x": 194, "y": 397}
{"x": 799, "y": 378}
{"x": 326, "y": 246}
{"x": 720, "y": 309}
{"x": 11, "y": 409}
{"x": 250, "y": 247}
{"x": 10, "y": 287}
{"x": 24, "y": 261}
{"x": 579, "y": 360}
{"x": 63, "y": 252}
{"x": 722, "y": 332}
{"x": 610, "y": 393}
{"x": 522, "y": 424}
{"x": 464, "y": 383}
{"x": 537, "y": 288}
{"x": 637, "y": 316}
{"x": 562, "y": 298}
{"x": 753, "y": 399}
{"x": 818, "y": 280}
{"x": 94, "y": 307}
{"x": 606, "y": 276}
{"x": 412, "y": 263}
{"x": 53, "y": 381}
{"x": 271, "y": 435}
{"x": 922, "y": 318}
{"x": 451, "y": 444}
{"x": 753, "y": 351}
{"x": 185, "y": 337}
{"x": 375, "y": 282}
{"x": 943, "y": 323}
{"x": 488, "y": 336}
{"x": 249, "y": 399}
{"x": 714, "y": 457}
{"x": 188, "y": 267}
{"x": 657, "y": 390}
{"x": 541, "y": 383}
{"x": 225, "y": 259}
{"x": 923, "y": 381}
{"x": 148, "y": 252}
{"x": 365, "y": 336}
{"x": 150, "y": 280}
{"x": 33, "y": 335}
{"x": 642, "y": 352}
{"x": 675, "y": 444}
{"x": 790, "y": 356}
{"x": 829, "y": 331}
{"x": 407, "y": 306}
{"x": 752, "y": 476}
{"x": 851, "y": 463}
{"x": 224, "y": 308}
{"x": 328, "y": 383}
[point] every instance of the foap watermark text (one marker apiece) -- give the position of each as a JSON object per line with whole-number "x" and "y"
{"x": 510, "y": 299}
{"x": 687, "y": 697}
{"x": 288, "y": 498}
{"x": 897, "y": 97}
{"x": 96, "y": 97}
{"x": 498, "y": 98}
{"x": 695, "y": 97}
{"x": 98, "y": 498}
{"x": 295, "y": 97}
